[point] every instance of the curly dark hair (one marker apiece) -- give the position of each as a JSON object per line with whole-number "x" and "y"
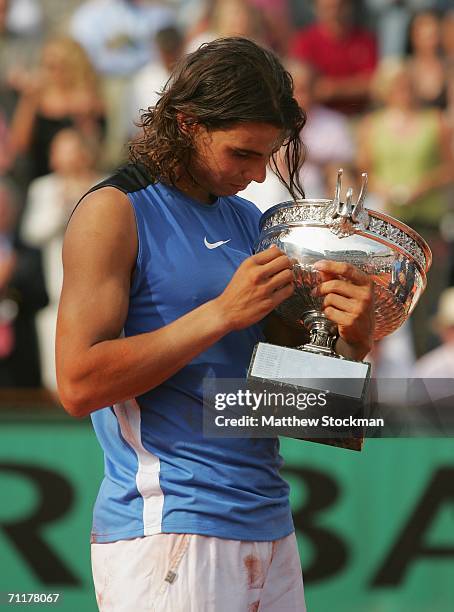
{"x": 225, "y": 82}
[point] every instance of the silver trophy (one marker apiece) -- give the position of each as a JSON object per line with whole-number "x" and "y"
{"x": 394, "y": 256}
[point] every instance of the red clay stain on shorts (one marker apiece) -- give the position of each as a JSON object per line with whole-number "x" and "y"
{"x": 254, "y": 570}
{"x": 253, "y": 607}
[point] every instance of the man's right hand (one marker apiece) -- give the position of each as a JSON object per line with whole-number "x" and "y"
{"x": 260, "y": 284}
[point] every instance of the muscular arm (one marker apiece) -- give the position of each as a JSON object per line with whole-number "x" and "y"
{"x": 95, "y": 367}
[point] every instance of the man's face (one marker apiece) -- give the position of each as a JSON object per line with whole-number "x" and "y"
{"x": 226, "y": 161}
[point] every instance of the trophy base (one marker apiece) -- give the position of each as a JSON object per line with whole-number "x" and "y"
{"x": 343, "y": 381}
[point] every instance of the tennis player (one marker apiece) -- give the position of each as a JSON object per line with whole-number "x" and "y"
{"x": 161, "y": 290}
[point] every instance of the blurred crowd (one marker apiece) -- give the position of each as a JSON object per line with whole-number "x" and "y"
{"x": 376, "y": 79}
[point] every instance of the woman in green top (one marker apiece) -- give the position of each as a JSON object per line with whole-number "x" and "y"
{"x": 406, "y": 149}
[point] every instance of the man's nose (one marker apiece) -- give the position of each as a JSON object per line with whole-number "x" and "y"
{"x": 256, "y": 173}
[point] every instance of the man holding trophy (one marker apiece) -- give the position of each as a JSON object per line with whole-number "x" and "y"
{"x": 162, "y": 289}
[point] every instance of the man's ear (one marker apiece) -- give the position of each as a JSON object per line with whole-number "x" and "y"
{"x": 186, "y": 123}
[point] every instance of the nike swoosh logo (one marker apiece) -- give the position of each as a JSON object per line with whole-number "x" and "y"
{"x": 214, "y": 245}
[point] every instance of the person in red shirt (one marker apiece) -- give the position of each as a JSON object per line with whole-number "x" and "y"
{"x": 344, "y": 55}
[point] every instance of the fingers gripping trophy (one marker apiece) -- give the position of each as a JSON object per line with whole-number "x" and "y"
{"x": 308, "y": 231}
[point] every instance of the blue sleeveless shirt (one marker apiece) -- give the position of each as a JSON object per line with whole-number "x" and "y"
{"x": 161, "y": 474}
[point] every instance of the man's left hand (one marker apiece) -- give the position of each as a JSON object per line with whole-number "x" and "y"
{"x": 348, "y": 301}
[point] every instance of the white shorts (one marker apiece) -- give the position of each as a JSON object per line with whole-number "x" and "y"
{"x": 195, "y": 573}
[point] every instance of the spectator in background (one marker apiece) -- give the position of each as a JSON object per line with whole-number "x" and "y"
{"x": 50, "y": 201}
{"x": 22, "y": 295}
{"x": 425, "y": 63}
{"x": 447, "y": 222}
{"x": 191, "y": 15}
{"x": 277, "y": 21}
{"x": 63, "y": 93}
{"x": 436, "y": 369}
{"x": 5, "y": 154}
{"x": 406, "y": 151}
{"x": 449, "y": 112}
{"x": 391, "y": 19}
{"x": 18, "y": 51}
{"x": 231, "y": 18}
{"x": 119, "y": 35}
{"x": 447, "y": 38}
{"x": 327, "y": 135}
{"x": 150, "y": 80}
{"x": 439, "y": 363}
{"x": 344, "y": 55}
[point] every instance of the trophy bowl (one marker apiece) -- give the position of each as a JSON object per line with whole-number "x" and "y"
{"x": 393, "y": 255}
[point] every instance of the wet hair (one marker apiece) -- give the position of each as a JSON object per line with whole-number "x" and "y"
{"x": 224, "y": 83}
